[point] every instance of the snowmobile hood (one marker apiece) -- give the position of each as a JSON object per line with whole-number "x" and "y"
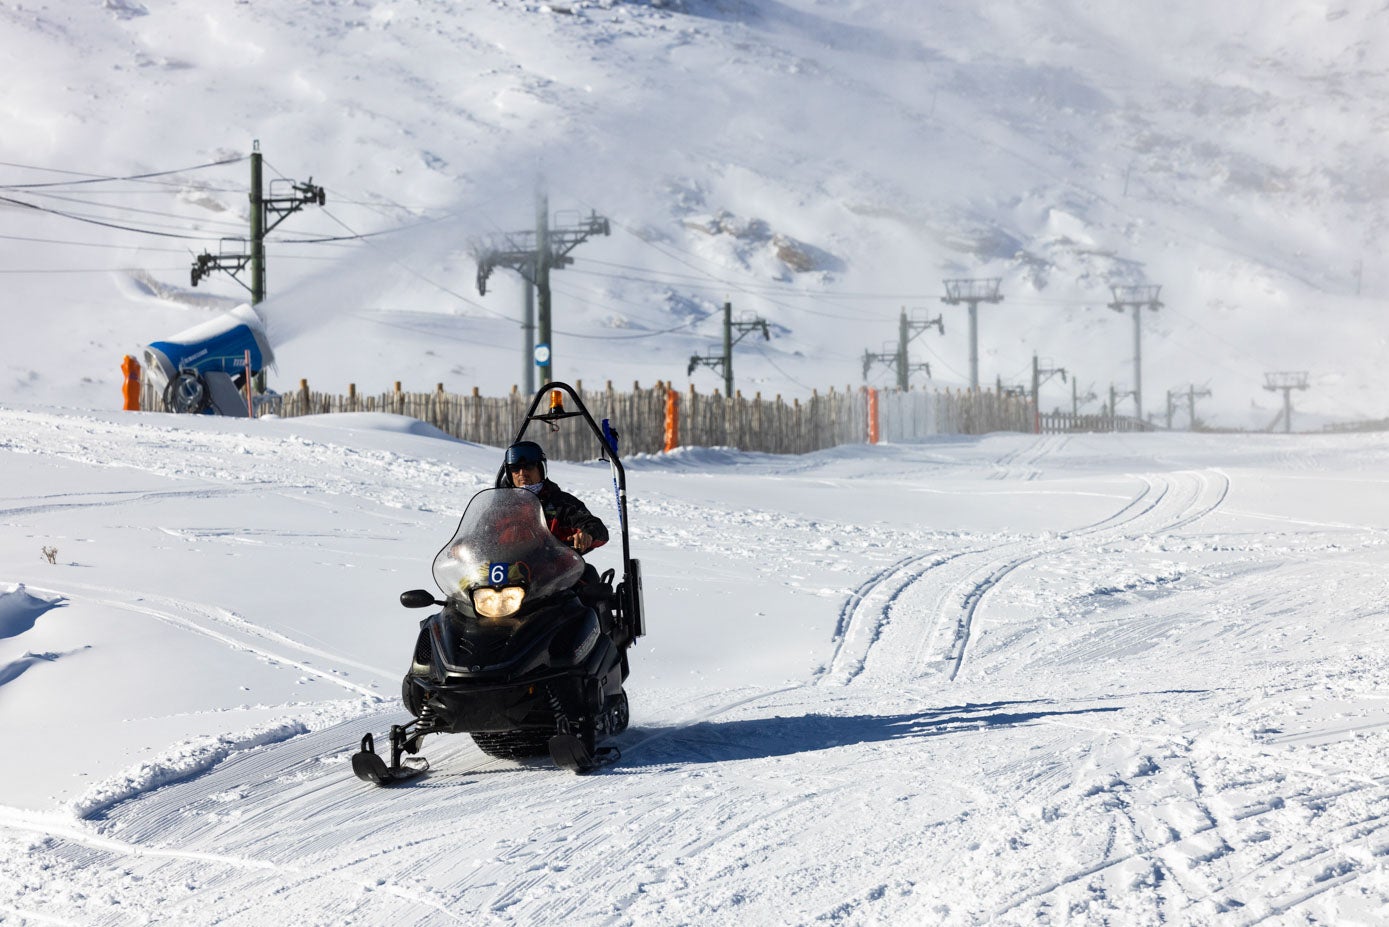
{"x": 501, "y": 541}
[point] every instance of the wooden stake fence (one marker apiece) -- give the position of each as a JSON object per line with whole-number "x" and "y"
{"x": 640, "y": 415}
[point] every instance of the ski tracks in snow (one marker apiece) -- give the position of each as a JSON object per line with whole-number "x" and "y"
{"x": 229, "y": 629}
{"x": 1201, "y": 827}
{"x": 1021, "y": 462}
{"x": 916, "y": 618}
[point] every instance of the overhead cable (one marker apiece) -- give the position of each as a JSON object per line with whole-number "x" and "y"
{"x": 94, "y": 178}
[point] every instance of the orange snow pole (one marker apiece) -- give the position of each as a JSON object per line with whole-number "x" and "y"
{"x": 130, "y": 389}
{"x": 873, "y": 433}
{"x": 672, "y": 420}
{"x": 247, "y": 374}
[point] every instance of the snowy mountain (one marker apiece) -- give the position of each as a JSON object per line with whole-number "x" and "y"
{"x": 819, "y": 164}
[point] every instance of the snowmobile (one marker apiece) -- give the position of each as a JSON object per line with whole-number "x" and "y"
{"x": 528, "y": 652}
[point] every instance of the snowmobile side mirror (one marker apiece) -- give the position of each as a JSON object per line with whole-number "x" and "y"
{"x": 418, "y": 598}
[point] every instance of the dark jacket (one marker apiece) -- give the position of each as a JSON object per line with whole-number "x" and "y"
{"x": 565, "y": 514}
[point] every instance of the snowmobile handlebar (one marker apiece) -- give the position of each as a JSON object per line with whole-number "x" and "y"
{"x": 556, "y": 412}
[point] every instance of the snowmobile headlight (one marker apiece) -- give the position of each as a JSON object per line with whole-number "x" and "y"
{"x": 497, "y": 603}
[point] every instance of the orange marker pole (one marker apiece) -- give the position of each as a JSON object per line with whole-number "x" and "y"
{"x": 130, "y": 389}
{"x": 249, "y": 414}
{"x": 672, "y": 420}
{"x": 873, "y": 433}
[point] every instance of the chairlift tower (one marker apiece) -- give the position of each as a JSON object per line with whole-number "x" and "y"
{"x": 1136, "y": 298}
{"x": 533, "y": 254}
{"x": 1287, "y": 381}
{"x": 972, "y": 292}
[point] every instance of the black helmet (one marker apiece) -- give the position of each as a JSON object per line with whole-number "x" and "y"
{"x": 526, "y": 452}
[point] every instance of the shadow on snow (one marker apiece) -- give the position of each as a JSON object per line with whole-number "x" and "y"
{"x": 762, "y": 738}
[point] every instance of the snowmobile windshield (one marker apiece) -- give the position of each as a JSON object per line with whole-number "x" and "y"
{"x": 502, "y": 541}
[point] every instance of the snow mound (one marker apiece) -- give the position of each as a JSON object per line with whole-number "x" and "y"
{"x": 20, "y": 610}
{"x": 376, "y": 421}
{"x": 198, "y": 755}
{"x": 180, "y": 762}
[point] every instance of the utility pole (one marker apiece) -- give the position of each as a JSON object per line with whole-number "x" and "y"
{"x": 1136, "y": 298}
{"x": 1192, "y": 394}
{"x": 907, "y": 330}
{"x": 972, "y": 292}
{"x": 1114, "y": 397}
{"x": 1078, "y": 400}
{"x": 890, "y": 358}
{"x": 725, "y": 363}
{"x": 1287, "y": 381}
{"x": 1171, "y": 407}
{"x": 533, "y": 254}
{"x": 1011, "y": 390}
{"x": 282, "y": 206}
{"x": 257, "y": 225}
{"x": 1040, "y": 375}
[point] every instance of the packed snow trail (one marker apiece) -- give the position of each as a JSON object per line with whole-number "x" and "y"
{"x": 1133, "y": 679}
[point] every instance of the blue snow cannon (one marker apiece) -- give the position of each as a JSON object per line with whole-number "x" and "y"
{"x": 203, "y": 369}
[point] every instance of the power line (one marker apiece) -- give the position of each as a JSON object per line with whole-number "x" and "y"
{"x": 420, "y": 276}
{"x": 79, "y": 270}
{"x": 764, "y": 292}
{"x": 632, "y": 337}
{"x": 360, "y": 236}
{"x": 104, "y": 178}
{"x": 93, "y": 221}
{"x": 747, "y": 290}
{"x": 772, "y": 287}
{"x": 777, "y": 368}
{"x": 140, "y": 191}
{"x": 136, "y": 209}
{"x": 89, "y": 244}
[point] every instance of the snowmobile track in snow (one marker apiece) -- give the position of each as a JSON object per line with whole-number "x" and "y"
{"x": 956, "y": 583}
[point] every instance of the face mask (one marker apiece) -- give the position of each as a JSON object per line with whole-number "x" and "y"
{"x": 534, "y": 487}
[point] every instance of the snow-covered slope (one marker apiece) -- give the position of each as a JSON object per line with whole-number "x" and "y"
{"x": 1089, "y": 680}
{"x": 819, "y": 164}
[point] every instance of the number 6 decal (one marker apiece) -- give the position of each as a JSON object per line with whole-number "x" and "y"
{"x": 497, "y": 573}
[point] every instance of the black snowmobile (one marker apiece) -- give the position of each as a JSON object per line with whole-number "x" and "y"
{"x": 528, "y": 653}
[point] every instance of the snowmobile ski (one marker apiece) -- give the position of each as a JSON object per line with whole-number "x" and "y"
{"x": 371, "y": 768}
{"x": 569, "y": 752}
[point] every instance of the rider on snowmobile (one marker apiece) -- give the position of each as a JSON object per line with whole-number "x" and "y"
{"x": 567, "y": 517}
